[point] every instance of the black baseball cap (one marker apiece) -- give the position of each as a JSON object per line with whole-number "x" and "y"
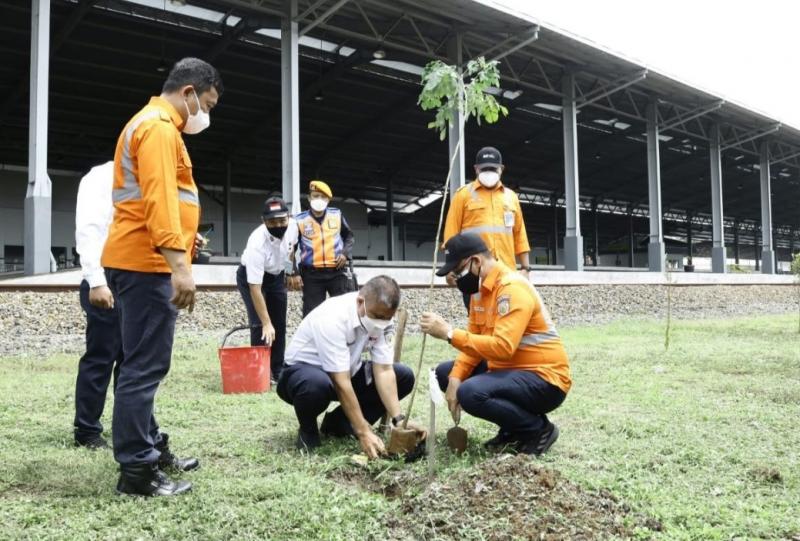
{"x": 275, "y": 207}
{"x": 488, "y": 157}
{"x": 459, "y": 248}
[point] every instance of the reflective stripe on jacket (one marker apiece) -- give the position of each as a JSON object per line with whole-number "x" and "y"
{"x": 493, "y": 214}
{"x": 156, "y": 204}
{"x": 510, "y": 327}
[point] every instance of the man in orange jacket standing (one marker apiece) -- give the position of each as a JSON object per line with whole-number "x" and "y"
{"x": 489, "y": 209}
{"x": 512, "y": 368}
{"x": 147, "y": 257}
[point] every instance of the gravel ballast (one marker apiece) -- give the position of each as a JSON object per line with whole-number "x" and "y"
{"x": 37, "y": 323}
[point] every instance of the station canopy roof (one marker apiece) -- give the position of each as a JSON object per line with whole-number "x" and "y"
{"x": 360, "y": 126}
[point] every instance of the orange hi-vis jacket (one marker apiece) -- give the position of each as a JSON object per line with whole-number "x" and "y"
{"x": 321, "y": 242}
{"x": 155, "y": 198}
{"x": 494, "y": 214}
{"x": 510, "y": 327}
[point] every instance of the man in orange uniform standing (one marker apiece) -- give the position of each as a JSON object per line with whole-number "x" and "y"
{"x": 489, "y": 209}
{"x": 512, "y": 368}
{"x": 147, "y": 258}
{"x": 326, "y": 245}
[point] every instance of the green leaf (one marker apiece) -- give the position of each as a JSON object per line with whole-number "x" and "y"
{"x": 446, "y": 89}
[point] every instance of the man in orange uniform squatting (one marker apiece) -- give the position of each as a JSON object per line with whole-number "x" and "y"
{"x": 512, "y": 369}
{"x": 147, "y": 258}
{"x": 326, "y": 244}
{"x": 491, "y": 210}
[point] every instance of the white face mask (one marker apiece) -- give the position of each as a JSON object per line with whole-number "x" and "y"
{"x": 489, "y": 179}
{"x": 371, "y": 324}
{"x": 195, "y": 123}
{"x": 318, "y": 205}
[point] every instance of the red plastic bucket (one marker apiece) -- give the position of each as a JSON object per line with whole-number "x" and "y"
{"x": 244, "y": 369}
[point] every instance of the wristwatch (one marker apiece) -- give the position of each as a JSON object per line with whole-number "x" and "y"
{"x": 450, "y": 336}
{"x": 397, "y": 419}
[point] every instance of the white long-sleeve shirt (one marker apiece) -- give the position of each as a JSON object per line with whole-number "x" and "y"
{"x": 94, "y": 212}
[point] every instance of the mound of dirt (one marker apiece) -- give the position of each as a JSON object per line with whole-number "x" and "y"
{"x": 513, "y": 497}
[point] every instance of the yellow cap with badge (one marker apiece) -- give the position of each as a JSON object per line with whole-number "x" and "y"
{"x": 321, "y": 187}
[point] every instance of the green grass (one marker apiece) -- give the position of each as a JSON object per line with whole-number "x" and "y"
{"x": 703, "y": 437}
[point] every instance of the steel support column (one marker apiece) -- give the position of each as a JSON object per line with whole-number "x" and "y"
{"x": 689, "y": 245}
{"x": 631, "y": 240}
{"x": 555, "y": 232}
{"x": 756, "y": 249}
{"x": 596, "y": 234}
{"x": 403, "y": 227}
{"x": 226, "y": 210}
{"x": 656, "y": 255}
{"x": 768, "y": 250}
{"x": 390, "y": 222}
{"x": 290, "y": 106}
{"x": 573, "y": 242}
{"x": 736, "y": 241}
{"x": 548, "y": 250}
{"x": 718, "y": 254}
{"x": 38, "y": 200}
{"x": 456, "y": 154}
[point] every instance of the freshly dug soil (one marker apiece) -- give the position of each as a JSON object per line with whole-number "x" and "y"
{"x": 506, "y": 497}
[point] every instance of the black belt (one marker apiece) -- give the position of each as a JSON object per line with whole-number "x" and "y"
{"x": 319, "y": 269}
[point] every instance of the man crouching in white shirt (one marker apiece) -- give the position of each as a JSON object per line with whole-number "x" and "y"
{"x": 342, "y": 351}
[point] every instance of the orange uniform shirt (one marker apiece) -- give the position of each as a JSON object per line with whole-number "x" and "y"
{"x": 493, "y": 214}
{"x": 155, "y": 198}
{"x": 510, "y": 327}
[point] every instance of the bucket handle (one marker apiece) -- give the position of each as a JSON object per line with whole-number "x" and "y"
{"x": 235, "y": 329}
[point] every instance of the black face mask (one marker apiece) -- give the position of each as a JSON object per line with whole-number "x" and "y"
{"x": 277, "y": 232}
{"x": 468, "y": 283}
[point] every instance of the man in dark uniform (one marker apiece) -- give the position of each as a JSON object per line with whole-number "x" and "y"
{"x": 326, "y": 245}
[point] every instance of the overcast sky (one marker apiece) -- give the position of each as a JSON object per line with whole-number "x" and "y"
{"x": 744, "y": 51}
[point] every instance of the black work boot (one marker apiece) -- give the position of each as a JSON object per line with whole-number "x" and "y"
{"x": 168, "y": 461}
{"x": 333, "y": 427}
{"x": 148, "y": 480}
{"x": 501, "y": 440}
{"x": 307, "y": 439}
{"x": 539, "y": 442}
{"x": 93, "y": 442}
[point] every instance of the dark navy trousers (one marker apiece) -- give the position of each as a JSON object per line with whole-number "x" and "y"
{"x": 310, "y": 390}
{"x": 274, "y": 290}
{"x": 147, "y": 321}
{"x": 515, "y": 400}
{"x": 320, "y": 283}
{"x": 95, "y": 368}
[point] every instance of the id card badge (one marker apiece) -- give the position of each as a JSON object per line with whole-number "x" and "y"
{"x": 508, "y": 218}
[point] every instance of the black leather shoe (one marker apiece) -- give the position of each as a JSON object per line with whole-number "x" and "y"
{"x": 307, "y": 440}
{"x": 92, "y": 442}
{"x": 148, "y": 480}
{"x": 540, "y": 442}
{"x": 502, "y": 439}
{"x": 168, "y": 461}
{"x": 333, "y": 429}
